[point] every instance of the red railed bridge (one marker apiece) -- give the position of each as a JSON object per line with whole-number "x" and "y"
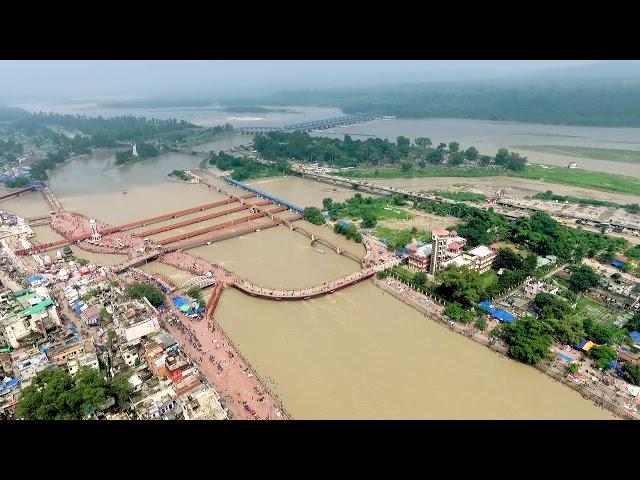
{"x": 311, "y": 292}
{"x": 138, "y": 223}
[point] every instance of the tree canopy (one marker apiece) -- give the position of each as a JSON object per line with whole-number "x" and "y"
{"x": 56, "y": 395}
{"x": 140, "y": 289}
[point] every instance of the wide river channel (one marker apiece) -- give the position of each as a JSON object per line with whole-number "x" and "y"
{"x": 358, "y": 353}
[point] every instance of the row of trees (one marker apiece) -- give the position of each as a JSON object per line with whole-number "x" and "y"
{"x": 376, "y": 151}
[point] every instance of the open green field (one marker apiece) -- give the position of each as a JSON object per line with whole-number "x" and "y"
{"x": 488, "y": 278}
{"x": 610, "y": 154}
{"x": 607, "y": 182}
{"x": 587, "y": 308}
{"x": 393, "y": 235}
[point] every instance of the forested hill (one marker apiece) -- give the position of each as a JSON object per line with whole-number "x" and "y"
{"x": 602, "y": 103}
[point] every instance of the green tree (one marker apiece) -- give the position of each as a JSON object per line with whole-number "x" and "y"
{"x": 633, "y": 325}
{"x": 369, "y": 220}
{"x": 485, "y": 160}
{"x": 140, "y": 289}
{"x": 471, "y": 154}
{"x": 529, "y": 339}
{"x": 423, "y": 142}
{"x": 406, "y": 166}
{"x": 507, "y": 258}
{"x": 313, "y": 215}
{"x": 481, "y": 323}
{"x": 456, "y": 159}
{"x": 602, "y": 333}
{"x": 460, "y": 285}
{"x": 454, "y": 147}
{"x": 501, "y": 156}
{"x": 55, "y": 395}
{"x": 583, "y": 278}
{"x": 632, "y": 373}
{"x": 420, "y": 279}
{"x": 327, "y": 203}
{"x": 603, "y": 355}
{"x": 573, "y": 367}
{"x": 121, "y": 388}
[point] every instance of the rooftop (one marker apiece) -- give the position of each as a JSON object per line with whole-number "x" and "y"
{"x": 440, "y": 232}
{"x": 481, "y": 251}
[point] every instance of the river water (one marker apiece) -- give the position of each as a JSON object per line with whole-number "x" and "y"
{"x": 487, "y": 136}
{"x": 358, "y": 353}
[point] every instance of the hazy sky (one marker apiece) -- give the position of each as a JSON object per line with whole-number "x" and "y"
{"x": 65, "y": 79}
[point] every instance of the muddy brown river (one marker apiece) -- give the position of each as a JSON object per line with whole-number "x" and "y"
{"x": 358, "y": 353}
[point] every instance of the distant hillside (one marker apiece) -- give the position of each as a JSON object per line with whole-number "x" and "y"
{"x": 602, "y": 94}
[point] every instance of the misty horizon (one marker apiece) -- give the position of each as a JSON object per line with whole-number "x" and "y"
{"x": 74, "y": 80}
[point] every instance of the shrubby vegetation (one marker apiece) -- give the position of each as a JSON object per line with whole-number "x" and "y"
{"x": 245, "y": 168}
{"x": 181, "y": 175}
{"x": 145, "y": 150}
{"x": 314, "y": 215}
{"x": 351, "y": 232}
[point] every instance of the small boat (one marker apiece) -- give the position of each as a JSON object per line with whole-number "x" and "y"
{"x": 124, "y": 190}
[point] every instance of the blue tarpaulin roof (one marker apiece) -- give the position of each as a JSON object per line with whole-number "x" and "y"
{"x": 10, "y": 383}
{"x": 502, "y": 315}
{"x": 635, "y": 336}
{"x": 179, "y": 302}
{"x": 498, "y": 313}
{"x": 613, "y": 363}
{"x": 485, "y": 305}
{"x": 566, "y": 358}
{"x": 35, "y": 278}
{"x": 420, "y": 244}
{"x": 617, "y": 264}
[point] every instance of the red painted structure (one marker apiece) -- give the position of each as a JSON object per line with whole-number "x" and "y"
{"x": 204, "y": 218}
{"x": 212, "y": 228}
{"x": 126, "y": 226}
{"x": 213, "y": 300}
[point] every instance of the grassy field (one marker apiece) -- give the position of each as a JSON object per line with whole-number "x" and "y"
{"x": 381, "y": 207}
{"x": 488, "y": 278}
{"x": 610, "y": 154}
{"x": 393, "y": 235}
{"x": 590, "y": 179}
